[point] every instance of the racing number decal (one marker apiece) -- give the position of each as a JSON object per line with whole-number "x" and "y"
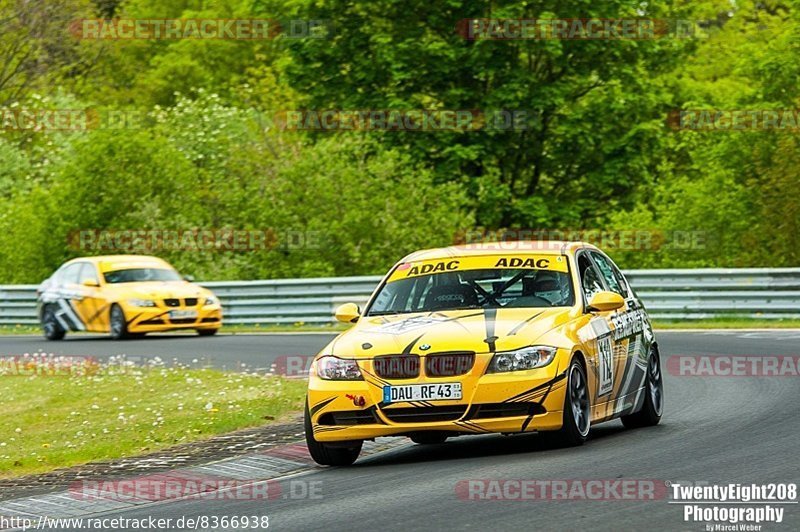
{"x": 605, "y": 355}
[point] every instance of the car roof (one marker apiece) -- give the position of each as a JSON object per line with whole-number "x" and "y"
{"x": 110, "y": 262}
{"x": 517, "y": 247}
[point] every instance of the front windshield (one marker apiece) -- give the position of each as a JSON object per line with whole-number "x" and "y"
{"x": 464, "y": 284}
{"x": 140, "y": 275}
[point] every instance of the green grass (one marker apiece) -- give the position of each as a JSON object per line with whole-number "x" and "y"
{"x": 297, "y": 327}
{"x": 20, "y": 329}
{"x": 230, "y": 329}
{"x": 53, "y": 421}
{"x": 727, "y": 323}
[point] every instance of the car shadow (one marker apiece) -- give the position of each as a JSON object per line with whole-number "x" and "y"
{"x": 467, "y": 447}
{"x": 105, "y": 338}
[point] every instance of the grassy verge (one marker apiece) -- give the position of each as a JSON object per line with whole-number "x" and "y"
{"x": 228, "y": 329}
{"x": 727, "y": 323}
{"x": 20, "y": 329}
{"x": 52, "y": 421}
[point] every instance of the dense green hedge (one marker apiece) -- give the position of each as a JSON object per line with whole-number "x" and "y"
{"x": 205, "y": 150}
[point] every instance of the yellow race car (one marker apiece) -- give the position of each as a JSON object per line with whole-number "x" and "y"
{"x": 490, "y": 338}
{"x": 125, "y": 296}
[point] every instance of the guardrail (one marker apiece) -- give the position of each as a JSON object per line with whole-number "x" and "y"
{"x": 667, "y": 294}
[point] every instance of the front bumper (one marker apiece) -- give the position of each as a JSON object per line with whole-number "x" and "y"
{"x": 155, "y": 319}
{"x": 524, "y": 401}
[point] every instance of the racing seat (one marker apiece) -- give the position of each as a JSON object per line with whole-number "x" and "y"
{"x": 532, "y": 287}
{"x": 451, "y": 296}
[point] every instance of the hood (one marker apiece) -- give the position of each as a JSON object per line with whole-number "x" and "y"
{"x": 160, "y": 290}
{"x": 478, "y": 330}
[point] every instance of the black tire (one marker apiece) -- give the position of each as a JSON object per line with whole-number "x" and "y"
{"x": 653, "y": 405}
{"x": 118, "y": 327}
{"x": 327, "y": 454}
{"x": 207, "y": 332}
{"x": 577, "y": 410}
{"x": 429, "y": 438}
{"x": 50, "y": 326}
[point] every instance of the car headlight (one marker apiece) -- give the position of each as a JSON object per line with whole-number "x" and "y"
{"x": 211, "y": 300}
{"x": 141, "y": 303}
{"x": 526, "y": 358}
{"x": 332, "y": 368}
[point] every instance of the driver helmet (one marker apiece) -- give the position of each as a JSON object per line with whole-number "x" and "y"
{"x": 546, "y": 286}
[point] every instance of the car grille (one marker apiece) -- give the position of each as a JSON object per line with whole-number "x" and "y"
{"x": 449, "y": 364}
{"x": 348, "y": 417}
{"x": 396, "y": 366}
{"x": 175, "y": 302}
{"x": 491, "y": 410}
{"x": 182, "y": 321}
{"x": 425, "y": 414}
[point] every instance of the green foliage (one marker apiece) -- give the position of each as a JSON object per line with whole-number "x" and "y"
{"x": 207, "y": 153}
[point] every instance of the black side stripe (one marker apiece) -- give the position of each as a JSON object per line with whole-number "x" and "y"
{"x": 319, "y": 406}
{"x": 541, "y": 387}
{"x": 409, "y": 347}
{"x": 526, "y": 423}
{"x": 516, "y": 328}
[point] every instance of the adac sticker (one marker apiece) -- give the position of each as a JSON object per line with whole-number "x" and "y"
{"x": 405, "y": 270}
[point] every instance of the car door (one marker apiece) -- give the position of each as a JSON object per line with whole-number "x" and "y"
{"x": 632, "y": 332}
{"x": 88, "y": 301}
{"x": 598, "y": 337}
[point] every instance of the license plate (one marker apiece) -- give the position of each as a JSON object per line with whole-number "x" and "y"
{"x": 422, "y": 392}
{"x": 182, "y": 314}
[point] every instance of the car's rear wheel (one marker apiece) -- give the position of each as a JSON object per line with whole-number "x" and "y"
{"x": 577, "y": 409}
{"x": 326, "y": 454}
{"x": 207, "y": 332}
{"x": 52, "y": 329}
{"x": 428, "y": 438}
{"x": 653, "y": 405}
{"x": 118, "y": 327}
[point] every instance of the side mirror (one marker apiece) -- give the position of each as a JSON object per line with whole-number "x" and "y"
{"x": 347, "y": 313}
{"x": 92, "y": 283}
{"x": 189, "y": 278}
{"x": 605, "y": 301}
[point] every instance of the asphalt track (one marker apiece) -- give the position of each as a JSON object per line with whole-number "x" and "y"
{"x": 715, "y": 430}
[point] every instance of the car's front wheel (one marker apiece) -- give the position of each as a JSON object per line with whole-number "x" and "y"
{"x": 653, "y": 405}
{"x": 52, "y": 329}
{"x": 577, "y": 409}
{"x": 118, "y": 327}
{"x": 326, "y": 454}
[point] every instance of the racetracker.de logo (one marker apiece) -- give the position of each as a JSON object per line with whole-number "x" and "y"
{"x": 405, "y": 120}
{"x": 66, "y": 120}
{"x": 734, "y": 120}
{"x": 171, "y": 486}
{"x": 198, "y": 28}
{"x": 580, "y": 29}
{"x": 48, "y": 365}
{"x": 734, "y": 366}
{"x": 622, "y": 239}
{"x": 561, "y": 490}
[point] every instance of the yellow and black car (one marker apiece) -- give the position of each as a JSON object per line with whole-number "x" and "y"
{"x": 125, "y": 296}
{"x": 491, "y": 338}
